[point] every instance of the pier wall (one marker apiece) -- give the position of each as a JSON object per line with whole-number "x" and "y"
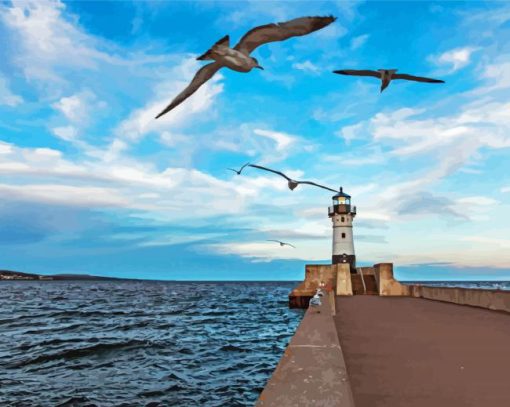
{"x": 386, "y": 283}
{"x": 335, "y": 277}
{"x": 491, "y": 299}
{"x": 312, "y": 371}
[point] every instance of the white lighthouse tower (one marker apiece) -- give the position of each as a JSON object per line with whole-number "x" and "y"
{"x": 342, "y": 215}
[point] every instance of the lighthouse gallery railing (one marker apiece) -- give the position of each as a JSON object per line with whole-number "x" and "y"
{"x": 341, "y": 209}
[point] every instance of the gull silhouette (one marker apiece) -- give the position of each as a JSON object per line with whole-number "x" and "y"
{"x": 291, "y": 182}
{"x": 282, "y": 243}
{"x": 238, "y": 58}
{"x": 238, "y": 172}
{"x": 386, "y": 76}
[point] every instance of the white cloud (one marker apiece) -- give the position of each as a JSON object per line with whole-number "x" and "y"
{"x": 251, "y": 139}
{"x": 282, "y": 140}
{"x": 497, "y": 75}
{"x": 173, "y": 139}
{"x": 473, "y": 127}
{"x": 477, "y": 201}
{"x": 46, "y": 39}
{"x": 168, "y": 240}
{"x": 67, "y": 133}
{"x": 449, "y": 141}
{"x": 128, "y": 183}
{"x": 285, "y": 79}
{"x": 78, "y": 107}
{"x": 142, "y": 121}
{"x": 352, "y": 132}
{"x": 490, "y": 17}
{"x": 491, "y": 241}
{"x": 8, "y": 98}
{"x": 55, "y": 55}
{"x": 256, "y": 12}
{"x": 64, "y": 195}
{"x": 456, "y": 58}
{"x": 267, "y": 251}
{"x": 71, "y": 107}
{"x": 306, "y": 66}
{"x": 359, "y": 41}
{"x": 331, "y": 32}
{"x": 356, "y": 161}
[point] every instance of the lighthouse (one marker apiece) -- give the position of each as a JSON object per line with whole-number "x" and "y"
{"x": 342, "y": 215}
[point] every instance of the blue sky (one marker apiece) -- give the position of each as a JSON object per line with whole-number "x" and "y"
{"x": 91, "y": 183}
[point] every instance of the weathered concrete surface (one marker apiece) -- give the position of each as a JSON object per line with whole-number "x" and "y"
{"x": 315, "y": 274}
{"x": 300, "y": 296}
{"x": 343, "y": 279}
{"x": 367, "y": 271}
{"x": 491, "y": 299}
{"x": 312, "y": 370}
{"x": 320, "y": 273}
{"x": 386, "y": 282}
{"x": 413, "y": 352}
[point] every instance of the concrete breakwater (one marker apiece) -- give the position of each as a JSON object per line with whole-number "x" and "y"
{"x": 312, "y": 371}
{"x": 379, "y": 342}
{"x": 380, "y": 280}
{"x": 498, "y": 300}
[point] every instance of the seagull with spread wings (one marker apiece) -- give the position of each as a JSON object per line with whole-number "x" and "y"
{"x": 238, "y": 58}
{"x": 238, "y": 172}
{"x": 386, "y": 76}
{"x": 291, "y": 182}
{"x": 282, "y": 243}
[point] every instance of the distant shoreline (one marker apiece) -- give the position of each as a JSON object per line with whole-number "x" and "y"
{"x": 9, "y": 275}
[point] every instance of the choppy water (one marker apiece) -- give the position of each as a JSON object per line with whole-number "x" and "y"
{"x": 485, "y": 285}
{"x": 140, "y": 343}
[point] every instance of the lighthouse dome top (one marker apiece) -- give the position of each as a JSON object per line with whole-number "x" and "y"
{"x": 341, "y": 194}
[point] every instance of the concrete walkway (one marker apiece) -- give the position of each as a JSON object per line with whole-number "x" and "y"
{"x": 414, "y": 352}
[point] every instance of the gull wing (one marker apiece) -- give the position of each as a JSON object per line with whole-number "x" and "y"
{"x": 270, "y": 170}
{"x": 244, "y": 166}
{"x": 359, "y": 72}
{"x": 202, "y": 76}
{"x": 281, "y": 31}
{"x": 271, "y": 240}
{"x": 317, "y": 185}
{"x": 415, "y": 78}
{"x": 288, "y": 244}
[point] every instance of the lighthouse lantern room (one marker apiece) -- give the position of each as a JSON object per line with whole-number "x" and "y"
{"x": 342, "y": 215}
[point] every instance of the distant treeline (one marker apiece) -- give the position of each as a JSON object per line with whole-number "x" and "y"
{"x": 18, "y": 275}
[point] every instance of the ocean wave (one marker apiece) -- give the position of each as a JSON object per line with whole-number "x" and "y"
{"x": 233, "y": 348}
{"x": 162, "y": 392}
{"x": 138, "y": 344}
{"x": 81, "y": 352}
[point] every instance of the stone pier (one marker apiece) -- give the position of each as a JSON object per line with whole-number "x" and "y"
{"x": 377, "y": 342}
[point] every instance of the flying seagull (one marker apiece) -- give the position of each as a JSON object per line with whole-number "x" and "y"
{"x": 282, "y": 243}
{"x": 240, "y": 170}
{"x": 238, "y": 58}
{"x": 386, "y": 76}
{"x": 292, "y": 183}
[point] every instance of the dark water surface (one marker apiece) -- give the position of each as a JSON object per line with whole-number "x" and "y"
{"x": 133, "y": 343}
